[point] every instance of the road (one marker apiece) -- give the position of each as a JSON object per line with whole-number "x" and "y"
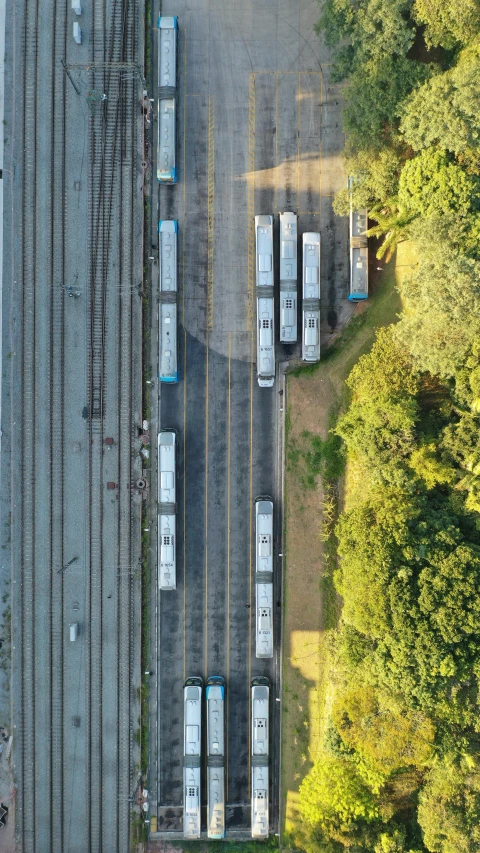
{"x": 258, "y": 132}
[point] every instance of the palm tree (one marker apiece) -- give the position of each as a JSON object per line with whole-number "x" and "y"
{"x": 392, "y": 221}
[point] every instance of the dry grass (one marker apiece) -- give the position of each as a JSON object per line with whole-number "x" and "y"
{"x": 311, "y": 606}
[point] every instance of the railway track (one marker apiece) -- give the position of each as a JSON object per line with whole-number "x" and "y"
{"x": 41, "y": 552}
{"x": 114, "y": 150}
{"x": 46, "y": 819}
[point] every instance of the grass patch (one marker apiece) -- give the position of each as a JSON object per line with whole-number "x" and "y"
{"x": 314, "y": 496}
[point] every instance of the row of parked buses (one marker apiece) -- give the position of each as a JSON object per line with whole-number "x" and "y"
{"x": 166, "y": 550}
{"x": 288, "y": 293}
{"x": 192, "y": 761}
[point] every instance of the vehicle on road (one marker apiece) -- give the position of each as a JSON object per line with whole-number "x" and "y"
{"x": 192, "y": 703}
{"x": 264, "y": 578}
{"x": 311, "y": 297}
{"x": 166, "y": 510}
{"x": 167, "y": 304}
{"x": 265, "y": 301}
{"x": 288, "y": 278}
{"x": 358, "y": 255}
{"x": 167, "y": 99}
{"x": 215, "y": 696}
{"x": 260, "y": 690}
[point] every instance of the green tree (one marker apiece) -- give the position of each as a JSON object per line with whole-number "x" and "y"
{"x": 448, "y": 22}
{"x": 444, "y": 110}
{"x": 385, "y": 735}
{"x": 441, "y": 299}
{"x": 334, "y": 799}
{"x": 378, "y": 427}
{"x": 431, "y": 185}
{"x": 373, "y": 180}
{"x": 449, "y": 810}
{"x": 393, "y": 222}
{"x": 372, "y": 95}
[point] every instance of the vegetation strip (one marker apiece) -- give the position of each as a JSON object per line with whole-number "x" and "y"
{"x": 394, "y": 763}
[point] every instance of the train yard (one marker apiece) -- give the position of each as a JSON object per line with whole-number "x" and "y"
{"x": 75, "y": 408}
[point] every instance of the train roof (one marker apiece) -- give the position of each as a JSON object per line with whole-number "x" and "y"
{"x": 167, "y": 22}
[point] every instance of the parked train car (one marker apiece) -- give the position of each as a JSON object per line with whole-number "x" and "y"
{"x": 264, "y": 578}
{"x": 288, "y": 278}
{"x": 358, "y": 255}
{"x": 260, "y": 691}
{"x": 192, "y": 703}
{"x": 166, "y": 510}
{"x": 167, "y": 99}
{"x": 167, "y": 305}
{"x": 215, "y": 696}
{"x": 311, "y": 297}
{"x": 265, "y": 301}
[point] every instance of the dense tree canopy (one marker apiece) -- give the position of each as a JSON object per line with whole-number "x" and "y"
{"x": 449, "y": 810}
{"x": 444, "y": 111}
{"x": 448, "y": 22}
{"x": 398, "y": 772}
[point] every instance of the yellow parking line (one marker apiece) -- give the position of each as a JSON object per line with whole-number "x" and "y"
{"x": 184, "y": 504}
{"x": 275, "y": 186}
{"x": 250, "y": 543}
{"x": 206, "y": 512}
{"x": 228, "y": 550}
{"x": 184, "y": 168}
{"x": 251, "y": 203}
{"x": 184, "y": 358}
{"x": 321, "y": 107}
{"x": 210, "y": 209}
{"x": 298, "y": 139}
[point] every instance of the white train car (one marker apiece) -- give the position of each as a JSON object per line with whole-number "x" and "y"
{"x": 288, "y": 278}
{"x": 167, "y": 99}
{"x": 215, "y": 696}
{"x": 358, "y": 255}
{"x": 167, "y": 306}
{"x": 192, "y": 702}
{"x": 166, "y": 510}
{"x": 264, "y": 578}
{"x": 311, "y": 297}
{"x": 260, "y": 691}
{"x": 265, "y": 301}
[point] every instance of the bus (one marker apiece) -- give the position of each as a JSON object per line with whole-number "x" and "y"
{"x": 358, "y": 255}
{"x": 166, "y": 510}
{"x": 167, "y": 305}
{"x": 192, "y": 704}
{"x": 167, "y": 99}
{"x": 260, "y": 690}
{"x": 215, "y": 696}
{"x": 288, "y": 278}
{"x": 264, "y": 578}
{"x": 311, "y": 297}
{"x": 265, "y": 302}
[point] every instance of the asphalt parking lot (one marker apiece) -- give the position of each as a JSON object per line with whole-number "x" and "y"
{"x": 259, "y": 131}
